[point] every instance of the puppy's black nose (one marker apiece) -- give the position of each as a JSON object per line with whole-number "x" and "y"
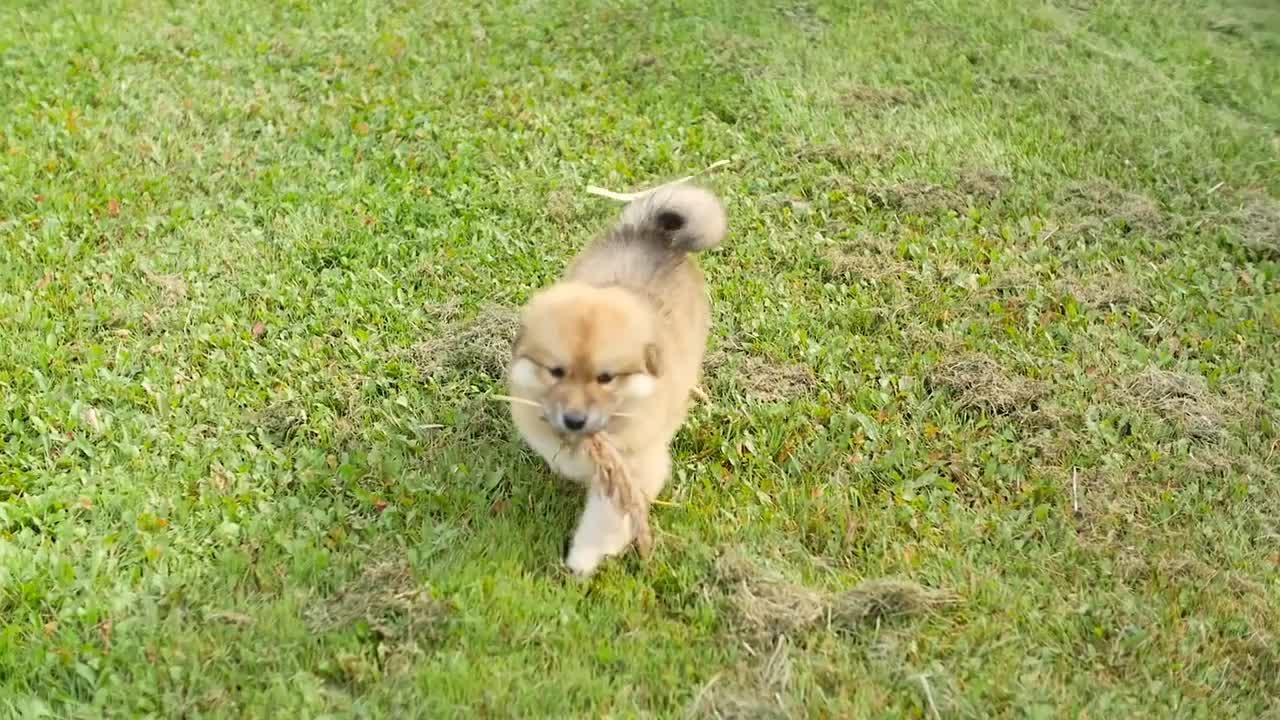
{"x": 574, "y": 420}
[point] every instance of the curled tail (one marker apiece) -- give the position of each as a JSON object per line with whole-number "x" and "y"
{"x": 690, "y": 218}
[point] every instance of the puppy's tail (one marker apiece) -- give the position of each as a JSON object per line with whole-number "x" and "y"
{"x": 688, "y": 217}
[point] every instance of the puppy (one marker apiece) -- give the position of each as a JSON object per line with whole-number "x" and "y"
{"x": 617, "y": 346}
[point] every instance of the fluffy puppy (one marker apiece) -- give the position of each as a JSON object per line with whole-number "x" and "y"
{"x": 617, "y": 346}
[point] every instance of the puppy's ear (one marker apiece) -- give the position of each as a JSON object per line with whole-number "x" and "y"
{"x": 652, "y": 360}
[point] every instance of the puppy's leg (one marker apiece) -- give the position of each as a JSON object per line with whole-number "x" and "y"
{"x": 650, "y": 469}
{"x": 649, "y": 473}
{"x": 602, "y": 531}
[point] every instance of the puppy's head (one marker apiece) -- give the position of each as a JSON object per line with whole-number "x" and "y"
{"x": 583, "y": 352}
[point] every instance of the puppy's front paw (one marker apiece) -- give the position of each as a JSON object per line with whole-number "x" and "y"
{"x": 582, "y": 562}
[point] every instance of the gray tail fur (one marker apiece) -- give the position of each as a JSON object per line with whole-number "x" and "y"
{"x": 691, "y": 218}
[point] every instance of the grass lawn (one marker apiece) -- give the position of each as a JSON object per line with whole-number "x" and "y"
{"x": 993, "y": 426}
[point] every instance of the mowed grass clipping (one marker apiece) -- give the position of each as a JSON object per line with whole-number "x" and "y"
{"x": 992, "y": 399}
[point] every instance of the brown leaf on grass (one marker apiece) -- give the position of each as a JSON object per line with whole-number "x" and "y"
{"x": 979, "y": 383}
{"x": 104, "y": 631}
{"x": 44, "y": 280}
{"x": 90, "y": 416}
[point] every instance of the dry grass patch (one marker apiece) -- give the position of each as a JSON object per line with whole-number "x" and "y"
{"x": 983, "y": 184}
{"x": 1096, "y": 204}
{"x": 751, "y": 692}
{"x": 916, "y": 197}
{"x": 1259, "y": 224}
{"x": 856, "y": 265}
{"x": 173, "y": 288}
{"x": 388, "y": 599}
{"x": 974, "y": 187}
{"x": 480, "y": 346}
{"x": 766, "y": 605}
{"x": 857, "y": 95}
{"x": 562, "y": 208}
{"x": 851, "y": 156}
{"x": 869, "y": 258}
{"x": 979, "y": 383}
{"x": 1106, "y": 291}
{"x": 1181, "y": 399}
{"x": 757, "y": 379}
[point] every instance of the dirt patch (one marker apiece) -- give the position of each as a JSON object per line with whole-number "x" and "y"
{"x": 1095, "y": 205}
{"x": 863, "y": 96}
{"x": 386, "y": 598}
{"x": 481, "y": 345}
{"x": 1181, "y": 399}
{"x": 766, "y": 605}
{"x": 757, "y": 379}
{"x": 979, "y": 383}
{"x": 1259, "y": 223}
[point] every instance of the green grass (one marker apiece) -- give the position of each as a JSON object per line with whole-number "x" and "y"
{"x": 978, "y": 249}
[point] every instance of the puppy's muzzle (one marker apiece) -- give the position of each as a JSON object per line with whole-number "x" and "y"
{"x": 577, "y": 422}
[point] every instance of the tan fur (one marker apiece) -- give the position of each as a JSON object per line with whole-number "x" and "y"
{"x": 628, "y": 327}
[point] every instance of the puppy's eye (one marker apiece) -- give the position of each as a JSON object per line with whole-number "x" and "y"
{"x": 557, "y": 372}
{"x": 604, "y": 378}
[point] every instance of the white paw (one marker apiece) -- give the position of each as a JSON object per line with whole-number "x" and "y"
{"x": 582, "y": 562}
